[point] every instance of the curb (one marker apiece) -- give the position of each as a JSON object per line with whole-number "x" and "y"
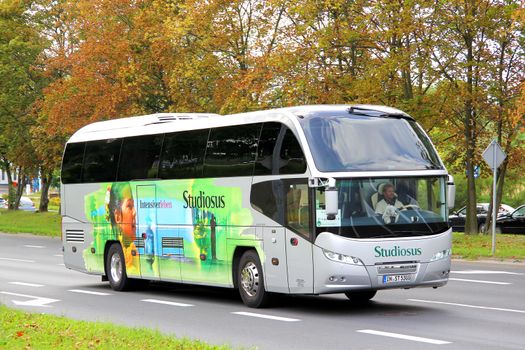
{"x": 513, "y": 262}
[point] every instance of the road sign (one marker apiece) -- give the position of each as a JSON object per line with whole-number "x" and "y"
{"x": 494, "y": 155}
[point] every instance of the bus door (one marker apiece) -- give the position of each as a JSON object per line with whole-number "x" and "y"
{"x": 298, "y": 246}
{"x": 147, "y": 235}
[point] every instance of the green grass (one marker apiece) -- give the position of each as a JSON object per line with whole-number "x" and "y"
{"x": 21, "y": 330}
{"x": 480, "y": 246}
{"x": 18, "y": 221}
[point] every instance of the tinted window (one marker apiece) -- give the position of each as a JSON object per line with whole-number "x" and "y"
{"x": 265, "y": 150}
{"x": 279, "y": 152}
{"x": 268, "y": 198}
{"x": 139, "y": 158}
{"x": 101, "y": 160}
{"x": 231, "y": 151}
{"x": 183, "y": 154}
{"x": 291, "y": 155}
{"x": 72, "y": 163}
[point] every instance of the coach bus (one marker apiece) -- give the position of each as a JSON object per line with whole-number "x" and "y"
{"x": 303, "y": 200}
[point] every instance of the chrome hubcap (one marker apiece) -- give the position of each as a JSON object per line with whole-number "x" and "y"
{"x": 250, "y": 279}
{"x": 116, "y": 268}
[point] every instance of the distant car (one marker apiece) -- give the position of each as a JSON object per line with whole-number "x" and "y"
{"x": 457, "y": 219}
{"x": 512, "y": 223}
{"x": 26, "y": 204}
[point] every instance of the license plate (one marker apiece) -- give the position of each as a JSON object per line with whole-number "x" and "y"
{"x": 396, "y": 278}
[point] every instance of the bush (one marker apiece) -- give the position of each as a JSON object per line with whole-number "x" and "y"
{"x": 54, "y": 201}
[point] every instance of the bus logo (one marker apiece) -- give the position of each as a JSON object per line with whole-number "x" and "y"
{"x": 396, "y": 251}
{"x": 202, "y": 201}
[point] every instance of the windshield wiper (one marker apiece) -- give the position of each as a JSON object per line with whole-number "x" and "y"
{"x": 416, "y": 233}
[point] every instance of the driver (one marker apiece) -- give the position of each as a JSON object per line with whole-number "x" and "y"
{"x": 388, "y": 205}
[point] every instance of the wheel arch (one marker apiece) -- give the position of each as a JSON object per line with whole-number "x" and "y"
{"x": 106, "y": 250}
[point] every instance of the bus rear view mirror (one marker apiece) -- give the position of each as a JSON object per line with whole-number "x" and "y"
{"x": 332, "y": 200}
{"x": 451, "y": 192}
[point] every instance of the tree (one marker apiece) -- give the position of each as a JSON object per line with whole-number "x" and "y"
{"x": 20, "y": 45}
{"x": 508, "y": 74}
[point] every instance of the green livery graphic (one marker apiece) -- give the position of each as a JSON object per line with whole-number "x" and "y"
{"x": 182, "y": 230}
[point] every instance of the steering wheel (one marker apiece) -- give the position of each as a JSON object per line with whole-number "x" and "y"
{"x": 410, "y": 207}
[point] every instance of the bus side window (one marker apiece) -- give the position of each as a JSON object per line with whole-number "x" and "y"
{"x": 279, "y": 152}
{"x": 100, "y": 160}
{"x": 291, "y": 155}
{"x": 139, "y": 158}
{"x": 231, "y": 151}
{"x": 183, "y": 154}
{"x": 265, "y": 149}
{"x": 72, "y": 164}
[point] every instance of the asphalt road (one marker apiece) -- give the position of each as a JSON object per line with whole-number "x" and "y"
{"x": 482, "y": 307}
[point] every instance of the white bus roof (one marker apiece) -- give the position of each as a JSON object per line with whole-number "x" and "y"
{"x": 171, "y": 122}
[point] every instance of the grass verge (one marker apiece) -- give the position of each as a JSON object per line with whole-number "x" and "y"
{"x": 19, "y": 221}
{"x": 480, "y": 246}
{"x": 21, "y": 330}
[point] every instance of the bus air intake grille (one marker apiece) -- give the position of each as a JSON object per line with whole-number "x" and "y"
{"x": 172, "y": 242}
{"x": 386, "y": 269}
{"x": 139, "y": 242}
{"x": 76, "y": 236}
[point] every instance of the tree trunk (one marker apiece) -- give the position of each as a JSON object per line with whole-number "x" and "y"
{"x": 11, "y": 199}
{"x": 471, "y": 224}
{"x": 22, "y": 182}
{"x": 44, "y": 194}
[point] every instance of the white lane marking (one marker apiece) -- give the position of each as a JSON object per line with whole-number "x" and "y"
{"x": 478, "y": 281}
{"x": 59, "y": 255}
{"x": 404, "y": 337}
{"x": 26, "y": 284}
{"x": 34, "y": 246}
{"x": 164, "y": 302}
{"x": 61, "y": 264}
{"x": 469, "y": 306}
{"x": 269, "y": 317}
{"x": 36, "y": 301}
{"x": 18, "y": 260}
{"x": 487, "y": 272}
{"x": 88, "y": 292}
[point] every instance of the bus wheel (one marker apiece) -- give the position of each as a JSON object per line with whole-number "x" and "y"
{"x": 116, "y": 268}
{"x": 361, "y": 296}
{"x": 250, "y": 280}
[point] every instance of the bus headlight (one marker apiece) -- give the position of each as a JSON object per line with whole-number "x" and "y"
{"x": 346, "y": 259}
{"x": 442, "y": 254}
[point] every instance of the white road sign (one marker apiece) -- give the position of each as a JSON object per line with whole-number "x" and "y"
{"x": 494, "y": 155}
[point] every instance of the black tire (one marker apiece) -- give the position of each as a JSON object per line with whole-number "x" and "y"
{"x": 250, "y": 281}
{"x": 361, "y": 296}
{"x": 116, "y": 269}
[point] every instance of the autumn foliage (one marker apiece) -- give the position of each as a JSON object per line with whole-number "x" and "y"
{"x": 456, "y": 66}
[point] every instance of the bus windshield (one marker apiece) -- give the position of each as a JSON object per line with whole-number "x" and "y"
{"x": 385, "y": 207}
{"x": 346, "y": 142}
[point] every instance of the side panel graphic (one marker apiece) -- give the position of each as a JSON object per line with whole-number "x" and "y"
{"x": 171, "y": 230}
